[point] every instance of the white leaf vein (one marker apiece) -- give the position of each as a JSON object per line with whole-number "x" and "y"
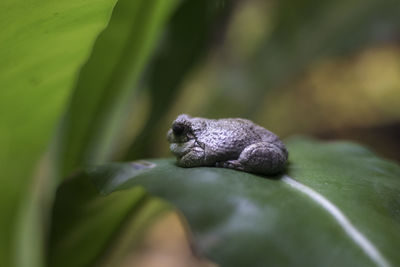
{"x": 366, "y": 245}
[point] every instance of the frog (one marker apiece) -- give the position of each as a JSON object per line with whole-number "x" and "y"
{"x": 233, "y": 143}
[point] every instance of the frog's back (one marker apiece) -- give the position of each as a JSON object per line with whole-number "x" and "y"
{"x": 246, "y": 129}
{"x": 231, "y": 136}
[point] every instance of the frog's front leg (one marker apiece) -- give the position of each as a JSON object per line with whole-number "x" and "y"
{"x": 264, "y": 158}
{"x": 193, "y": 158}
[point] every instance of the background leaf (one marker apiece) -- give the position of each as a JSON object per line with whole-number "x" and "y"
{"x": 269, "y": 220}
{"x": 194, "y": 29}
{"x": 307, "y": 31}
{"x": 89, "y": 230}
{"x": 105, "y": 82}
{"x": 43, "y": 44}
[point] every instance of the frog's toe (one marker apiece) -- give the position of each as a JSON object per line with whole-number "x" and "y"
{"x": 230, "y": 164}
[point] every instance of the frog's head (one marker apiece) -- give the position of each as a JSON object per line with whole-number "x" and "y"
{"x": 182, "y": 135}
{"x": 181, "y": 130}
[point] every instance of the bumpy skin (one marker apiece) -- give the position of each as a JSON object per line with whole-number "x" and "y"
{"x": 230, "y": 143}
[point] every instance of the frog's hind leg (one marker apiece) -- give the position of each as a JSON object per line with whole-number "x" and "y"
{"x": 263, "y": 158}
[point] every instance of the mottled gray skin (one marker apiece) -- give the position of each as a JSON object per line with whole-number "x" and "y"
{"x": 230, "y": 143}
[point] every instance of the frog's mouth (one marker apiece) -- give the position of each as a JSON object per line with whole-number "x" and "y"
{"x": 180, "y": 153}
{"x": 181, "y": 149}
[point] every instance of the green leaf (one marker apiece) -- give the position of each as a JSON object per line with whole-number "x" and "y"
{"x": 89, "y": 129}
{"x": 107, "y": 79}
{"x": 338, "y": 205}
{"x": 43, "y": 43}
{"x": 90, "y": 230}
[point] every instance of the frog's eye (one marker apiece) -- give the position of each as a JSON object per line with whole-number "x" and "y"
{"x": 178, "y": 128}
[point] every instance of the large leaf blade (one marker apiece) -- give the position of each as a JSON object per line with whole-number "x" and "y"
{"x": 43, "y": 43}
{"x": 268, "y": 220}
{"x": 105, "y": 82}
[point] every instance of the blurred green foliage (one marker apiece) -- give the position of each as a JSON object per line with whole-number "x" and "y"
{"x": 89, "y": 81}
{"x": 43, "y": 44}
{"x": 93, "y": 117}
{"x": 91, "y": 234}
{"x": 181, "y": 48}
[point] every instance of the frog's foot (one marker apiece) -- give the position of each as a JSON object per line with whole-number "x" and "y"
{"x": 230, "y": 164}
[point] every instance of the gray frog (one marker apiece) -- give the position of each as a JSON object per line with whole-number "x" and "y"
{"x": 230, "y": 143}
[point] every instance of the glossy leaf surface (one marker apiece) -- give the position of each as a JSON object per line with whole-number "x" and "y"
{"x": 338, "y": 205}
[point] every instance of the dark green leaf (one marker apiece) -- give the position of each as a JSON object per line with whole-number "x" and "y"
{"x": 338, "y": 205}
